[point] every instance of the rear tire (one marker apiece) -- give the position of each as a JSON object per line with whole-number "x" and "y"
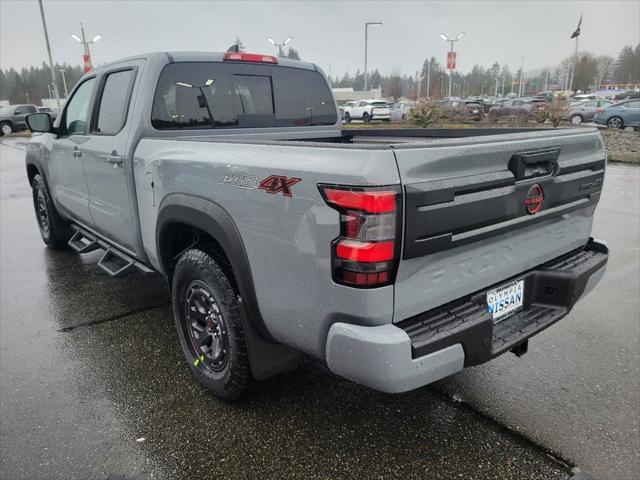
{"x": 6, "y": 128}
{"x": 54, "y": 230}
{"x": 366, "y": 118}
{"x": 207, "y": 316}
{"x": 576, "y": 120}
{"x": 615, "y": 122}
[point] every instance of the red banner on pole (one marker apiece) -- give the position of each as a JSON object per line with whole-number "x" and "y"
{"x": 87, "y": 63}
{"x": 451, "y": 60}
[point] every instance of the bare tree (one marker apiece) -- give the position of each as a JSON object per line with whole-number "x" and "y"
{"x": 605, "y": 68}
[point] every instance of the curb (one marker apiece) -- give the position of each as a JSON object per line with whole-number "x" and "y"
{"x": 623, "y": 157}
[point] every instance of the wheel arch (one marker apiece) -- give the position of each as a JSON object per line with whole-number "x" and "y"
{"x": 177, "y": 211}
{"x": 32, "y": 171}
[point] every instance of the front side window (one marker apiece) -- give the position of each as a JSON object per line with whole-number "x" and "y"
{"x": 114, "y": 104}
{"x": 77, "y": 112}
{"x": 213, "y": 95}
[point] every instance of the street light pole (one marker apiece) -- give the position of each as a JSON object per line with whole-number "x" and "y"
{"x": 64, "y": 83}
{"x": 85, "y": 43}
{"x": 366, "y": 38}
{"x": 279, "y": 44}
{"x": 46, "y": 38}
{"x": 451, "y": 40}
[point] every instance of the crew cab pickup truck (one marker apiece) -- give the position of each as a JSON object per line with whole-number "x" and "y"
{"x": 398, "y": 257}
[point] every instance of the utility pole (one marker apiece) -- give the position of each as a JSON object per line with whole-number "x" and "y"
{"x": 46, "y": 38}
{"x": 64, "y": 83}
{"x": 496, "y": 94}
{"x": 503, "y": 79}
{"x": 418, "y": 80}
{"x": 366, "y": 28}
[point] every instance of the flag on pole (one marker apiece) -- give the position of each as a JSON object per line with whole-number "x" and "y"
{"x": 577, "y": 32}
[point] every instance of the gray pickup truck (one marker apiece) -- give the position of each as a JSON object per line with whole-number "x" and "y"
{"x": 397, "y": 256}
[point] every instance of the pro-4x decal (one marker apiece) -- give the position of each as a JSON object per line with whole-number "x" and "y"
{"x": 273, "y": 184}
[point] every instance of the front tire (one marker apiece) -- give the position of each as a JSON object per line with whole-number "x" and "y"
{"x": 55, "y": 232}
{"x": 366, "y": 118}
{"x": 347, "y": 117}
{"x": 207, "y": 316}
{"x": 615, "y": 122}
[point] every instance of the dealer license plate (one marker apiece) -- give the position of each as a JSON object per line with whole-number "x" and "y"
{"x": 505, "y": 300}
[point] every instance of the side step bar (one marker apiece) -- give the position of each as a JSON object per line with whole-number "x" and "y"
{"x": 113, "y": 261}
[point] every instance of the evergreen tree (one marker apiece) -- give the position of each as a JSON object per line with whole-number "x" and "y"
{"x": 293, "y": 54}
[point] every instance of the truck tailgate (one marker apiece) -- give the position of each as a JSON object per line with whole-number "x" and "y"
{"x": 472, "y": 216}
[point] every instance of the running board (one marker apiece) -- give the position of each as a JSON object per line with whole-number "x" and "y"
{"x": 113, "y": 261}
{"x": 82, "y": 242}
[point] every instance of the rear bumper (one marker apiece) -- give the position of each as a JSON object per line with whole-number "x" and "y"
{"x": 440, "y": 342}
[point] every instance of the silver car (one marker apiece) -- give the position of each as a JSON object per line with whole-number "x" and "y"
{"x": 584, "y": 111}
{"x": 400, "y": 111}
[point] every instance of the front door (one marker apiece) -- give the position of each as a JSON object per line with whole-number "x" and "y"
{"x": 65, "y": 167}
{"x": 107, "y": 166}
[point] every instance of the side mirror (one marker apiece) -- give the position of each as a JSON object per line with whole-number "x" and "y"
{"x": 40, "y": 122}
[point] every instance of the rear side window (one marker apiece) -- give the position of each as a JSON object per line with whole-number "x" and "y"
{"x": 114, "y": 103}
{"x": 215, "y": 95}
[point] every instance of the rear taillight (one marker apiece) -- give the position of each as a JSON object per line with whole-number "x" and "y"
{"x": 366, "y": 253}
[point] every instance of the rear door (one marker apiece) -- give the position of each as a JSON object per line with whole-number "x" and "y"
{"x": 105, "y": 156}
{"x": 632, "y": 114}
{"x": 471, "y": 213}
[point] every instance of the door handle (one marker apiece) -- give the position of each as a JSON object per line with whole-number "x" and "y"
{"x": 111, "y": 158}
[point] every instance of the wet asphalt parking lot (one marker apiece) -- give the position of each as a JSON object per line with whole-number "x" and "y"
{"x": 93, "y": 383}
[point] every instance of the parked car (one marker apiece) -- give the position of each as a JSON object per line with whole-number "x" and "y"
{"x": 546, "y": 96}
{"x": 585, "y": 110}
{"x": 462, "y": 110}
{"x": 368, "y": 110}
{"x": 528, "y": 108}
{"x": 581, "y": 97}
{"x": 53, "y": 112}
{"x": 619, "y": 115}
{"x": 12, "y": 118}
{"x": 279, "y": 233}
{"x": 400, "y": 111}
{"x": 626, "y": 96}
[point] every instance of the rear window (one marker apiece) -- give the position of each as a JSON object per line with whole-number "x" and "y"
{"x": 225, "y": 95}
{"x": 114, "y": 104}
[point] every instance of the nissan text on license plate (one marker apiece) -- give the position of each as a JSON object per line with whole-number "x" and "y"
{"x": 505, "y": 300}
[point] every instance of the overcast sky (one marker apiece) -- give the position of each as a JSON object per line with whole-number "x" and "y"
{"x": 328, "y": 33}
